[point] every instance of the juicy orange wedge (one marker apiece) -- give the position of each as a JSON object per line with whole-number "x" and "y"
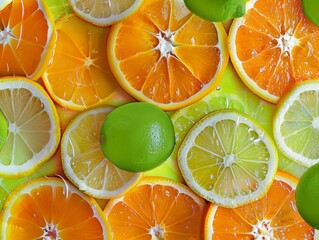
{"x": 158, "y": 208}
{"x": 166, "y": 55}
{"x": 26, "y": 38}
{"x": 273, "y": 46}
{"x": 52, "y": 208}
{"x": 274, "y": 216}
{"x": 78, "y": 76}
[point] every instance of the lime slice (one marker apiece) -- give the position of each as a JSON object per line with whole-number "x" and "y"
{"x": 185, "y": 118}
{"x": 217, "y": 10}
{"x": 228, "y": 158}
{"x": 290, "y": 166}
{"x": 3, "y": 129}
{"x": 311, "y": 10}
{"x": 296, "y": 123}
{"x": 58, "y": 8}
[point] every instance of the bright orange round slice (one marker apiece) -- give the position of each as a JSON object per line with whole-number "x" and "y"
{"x": 26, "y": 38}
{"x": 84, "y": 162}
{"x": 165, "y": 55}
{"x": 273, "y": 46}
{"x": 158, "y": 208}
{"x": 33, "y": 126}
{"x": 274, "y": 216}
{"x": 51, "y": 208}
{"x": 78, "y": 76}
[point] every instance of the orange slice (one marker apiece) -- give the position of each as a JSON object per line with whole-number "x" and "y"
{"x": 158, "y": 208}
{"x": 273, "y": 46}
{"x": 274, "y": 216}
{"x": 26, "y": 38}
{"x": 104, "y": 13}
{"x": 33, "y": 124}
{"x": 51, "y": 208}
{"x": 166, "y": 55}
{"x": 83, "y": 160}
{"x": 78, "y": 76}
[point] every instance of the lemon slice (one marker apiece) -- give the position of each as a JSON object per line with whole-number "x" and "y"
{"x": 296, "y": 123}
{"x": 33, "y": 126}
{"x": 104, "y": 13}
{"x": 228, "y": 158}
{"x": 83, "y": 160}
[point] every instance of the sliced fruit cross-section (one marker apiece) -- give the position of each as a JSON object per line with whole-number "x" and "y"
{"x": 165, "y": 55}
{"x": 228, "y": 158}
{"x": 78, "y": 76}
{"x": 26, "y": 38}
{"x": 296, "y": 123}
{"x": 104, "y": 13}
{"x": 273, "y": 46}
{"x": 158, "y": 208}
{"x": 84, "y": 162}
{"x": 33, "y": 126}
{"x": 274, "y": 216}
{"x": 52, "y": 208}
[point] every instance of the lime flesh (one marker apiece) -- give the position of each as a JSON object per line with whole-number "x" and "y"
{"x": 3, "y": 129}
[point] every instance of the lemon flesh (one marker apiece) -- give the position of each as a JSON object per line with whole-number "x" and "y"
{"x": 228, "y": 158}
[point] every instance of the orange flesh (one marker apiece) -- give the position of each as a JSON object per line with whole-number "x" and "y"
{"x": 84, "y": 79}
{"x": 278, "y": 45}
{"x": 24, "y": 29}
{"x": 48, "y": 211}
{"x": 166, "y": 53}
{"x": 156, "y": 209}
{"x": 275, "y": 212}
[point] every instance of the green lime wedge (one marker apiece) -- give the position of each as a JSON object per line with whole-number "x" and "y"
{"x": 311, "y": 10}
{"x": 3, "y": 129}
{"x": 217, "y": 10}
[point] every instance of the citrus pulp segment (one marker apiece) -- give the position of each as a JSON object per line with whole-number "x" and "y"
{"x": 165, "y": 55}
{"x": 296, "y": 123}
{"x": 84, "y": 162}
{"x": 104, "y": 13}
{"x": 273, "y": 46}
{"x": 157, "y": 208}
{"x": 33, "y": 126}
{"x": 51, "y": 208}
{"x": 274, "y": 216}
{"x": 228, "y": 158}
{"x": 3, "y": 129}
{"x": 78, "y": 76}
{"x": 27, "y": 38}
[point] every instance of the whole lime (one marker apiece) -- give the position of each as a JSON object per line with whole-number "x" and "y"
{"x": 137, "y": 136}
{"x": 217, "y": 10}
{"x": 311, "y": 10}
{"x": 307, "y": 196}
